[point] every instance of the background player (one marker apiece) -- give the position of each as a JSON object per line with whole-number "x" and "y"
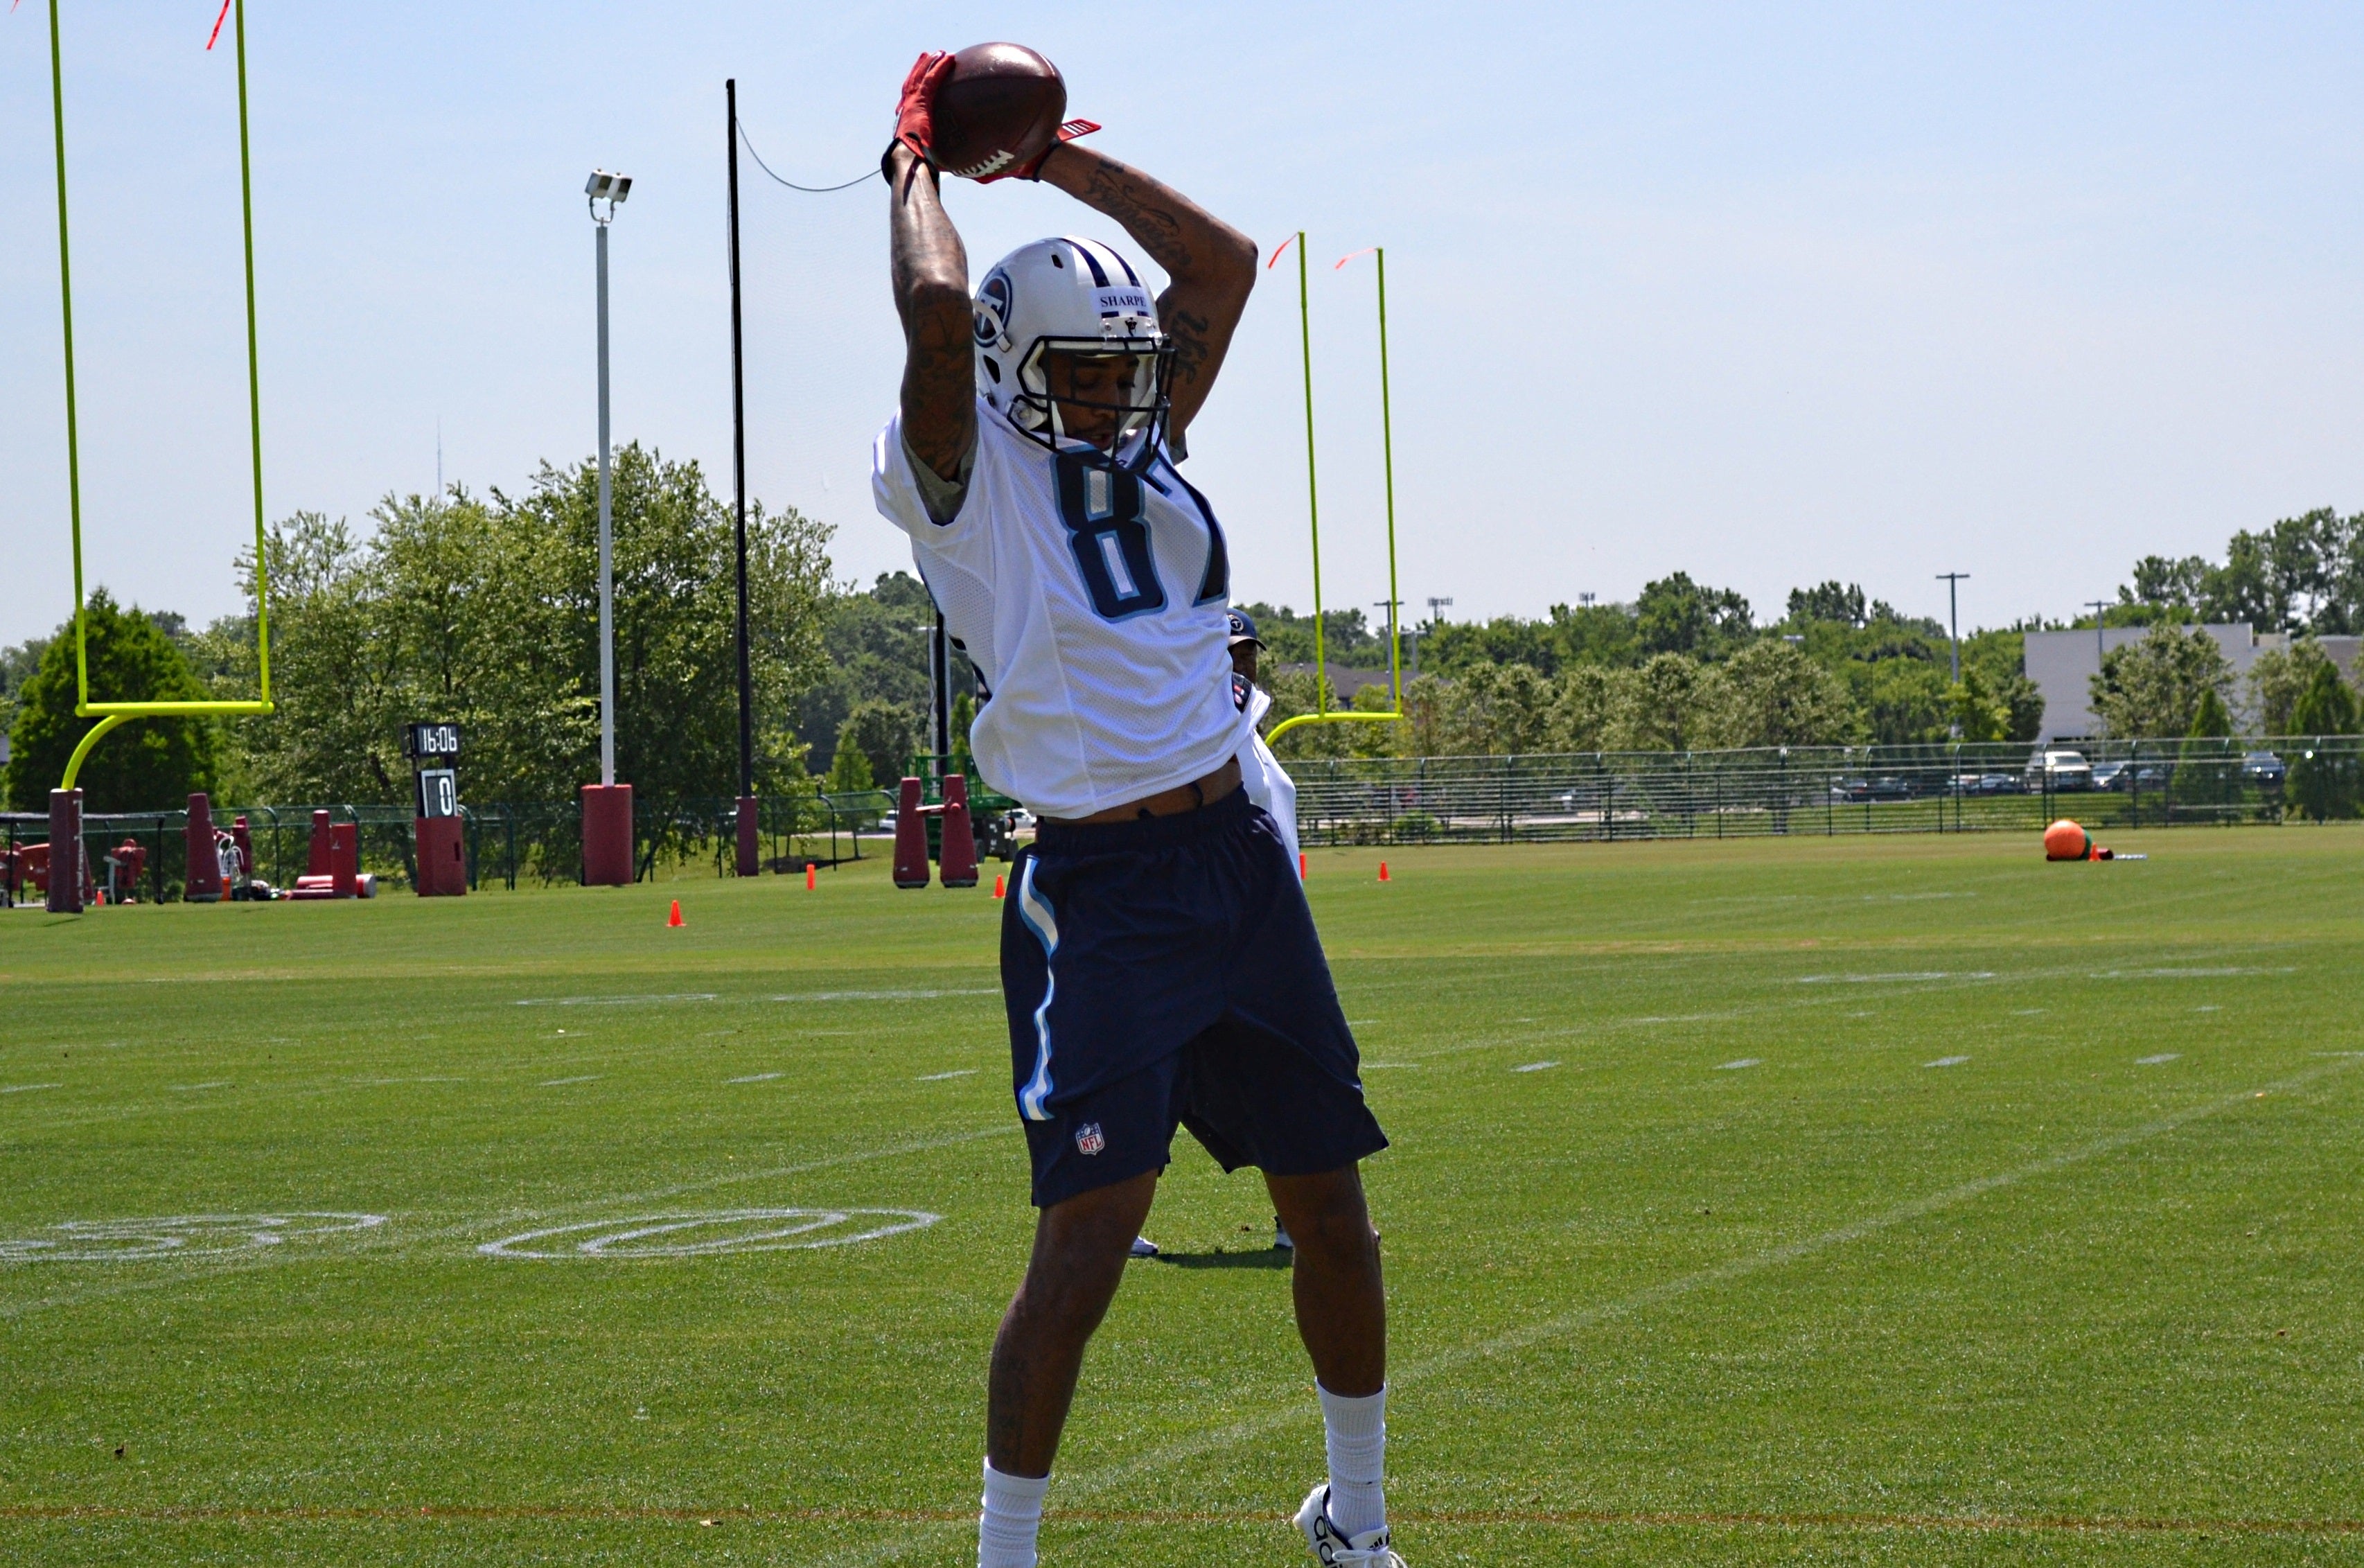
{"x": 1158, "y": 958}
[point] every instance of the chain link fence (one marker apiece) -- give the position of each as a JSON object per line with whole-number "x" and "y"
{"x": 2106, "y": 786}
{"x": 505, "y": 843}
{"x": 1819, "y": 790}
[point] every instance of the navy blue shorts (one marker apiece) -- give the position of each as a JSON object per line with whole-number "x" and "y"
{"x": 1164, "y": 972}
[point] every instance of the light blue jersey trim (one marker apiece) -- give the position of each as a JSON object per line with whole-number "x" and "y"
{"x": 1035, "y": 910}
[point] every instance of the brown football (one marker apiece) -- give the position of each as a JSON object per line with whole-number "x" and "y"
{"x": 1001, "y": 108}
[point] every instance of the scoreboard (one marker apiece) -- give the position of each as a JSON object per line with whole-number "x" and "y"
{"x": 431, "y": 744}
{"x": 434, "y": 752}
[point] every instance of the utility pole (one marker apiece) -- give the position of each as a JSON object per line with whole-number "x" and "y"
{"x": 2098, "y": 606}
{"x": 1954, "y": 616}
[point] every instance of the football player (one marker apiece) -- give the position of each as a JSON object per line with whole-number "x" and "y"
{"x": 1157, "y": 957}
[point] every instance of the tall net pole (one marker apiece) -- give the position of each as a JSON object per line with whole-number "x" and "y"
{"x": 739, "y": 463}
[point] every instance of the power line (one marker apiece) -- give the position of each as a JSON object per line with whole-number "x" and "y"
{"x": 808, "y": 190}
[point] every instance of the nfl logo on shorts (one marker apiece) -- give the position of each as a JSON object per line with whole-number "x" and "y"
{"x": 1089, "y": 1139}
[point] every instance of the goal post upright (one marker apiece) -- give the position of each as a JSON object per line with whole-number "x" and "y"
{"x": 112, "y": 714}
{"x": 1322, "y": 713}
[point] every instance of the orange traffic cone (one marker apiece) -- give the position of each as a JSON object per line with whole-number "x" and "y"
{"x": 675, "y": 918}
{"x": 997, "y": 885}
{"x": 811, "y": 879}
{"x": 1383, "y": 871}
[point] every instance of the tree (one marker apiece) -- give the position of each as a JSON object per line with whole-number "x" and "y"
{"x": 1830, "y": 602}
{"x": 849, "y": 770}
{"x": 1294, "y": 692}
{"x": 2211, "y": 719}
{"x": 1903, "y": 699}
{"x": 2172, "y": 584}
{"x": 1502, "y": 710}
{"x": 1584, "y": 707}
{"x": 1978, "y": 715}
{"x": 484, "y": 613}
{"x": 2278, "y": 678}
{"x": 1347, "y": 640}
{"x": 2153, "y": 687}
{"x": 1675, "y": 614}
{"x": 147, "y": 765}
{"x": 876, "y": 643}
{"x": 1780, "y": 696}
{"x": 1672, "y": 703}
{"x": 886, "y": 734}
{"x": 964, "y": 714}
{"x": 2322, "y": 784}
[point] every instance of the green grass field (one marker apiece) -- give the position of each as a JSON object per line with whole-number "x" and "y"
{"x": 1901, "y": 1201}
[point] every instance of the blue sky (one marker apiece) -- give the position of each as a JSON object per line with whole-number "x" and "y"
{"x": 1766, "y": 295}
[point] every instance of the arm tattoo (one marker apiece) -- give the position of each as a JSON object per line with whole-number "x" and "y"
{"x": 1189, "y": 333}
{"x": 1159, "y": 231}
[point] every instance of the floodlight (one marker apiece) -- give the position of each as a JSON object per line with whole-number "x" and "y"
{"x": 605, "y": 187}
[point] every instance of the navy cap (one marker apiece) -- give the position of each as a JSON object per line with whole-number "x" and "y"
{"x": 1242, "y": 630}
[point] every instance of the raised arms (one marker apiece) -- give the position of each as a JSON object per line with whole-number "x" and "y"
{"x": 930, "y": 268}
{"x": 1212, "y": 265}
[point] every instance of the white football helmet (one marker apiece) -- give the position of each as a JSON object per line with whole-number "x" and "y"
{"x": 1076, "y": 296}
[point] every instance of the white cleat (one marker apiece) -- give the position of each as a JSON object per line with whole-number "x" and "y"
{"x": 1142, "y": 1247}
{"x": 1280, "y": 1241}
{"x": 1331, "y": 1550}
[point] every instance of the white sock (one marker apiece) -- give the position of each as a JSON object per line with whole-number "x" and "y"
{"x": 1356, "y": 1436}
{"x": 1013, "y": 1513}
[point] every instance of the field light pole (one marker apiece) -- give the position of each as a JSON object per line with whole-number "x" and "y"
{"x": 1954, "y": 616}
{"x": 607, "y": 806}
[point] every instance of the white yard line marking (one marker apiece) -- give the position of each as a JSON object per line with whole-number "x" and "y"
{"x": 1534, "y": 1066}
{"x": 188, "y": 1235}
{"x": 412, "y": 1238}
{"x": 2184, "y": 973}
{"x": 27, "y": 1088}
{"x": 1909, "y": 978}
{"x": 940, "y": 1077}
{"x": 556, "y": 1083}
{"x": 614, "y": 1001}
{"x": 915, "y": 996}
{"x": 756, "y": 1078}
{"x": 1736, "y": 1067}
{"x": 1946, "y": 1061}
{"x": 193, "y": 1088}
{"x": 1075, "y": 1488}
{"x": 665, "y": 1235}
{"x": 2155, "y": 1061}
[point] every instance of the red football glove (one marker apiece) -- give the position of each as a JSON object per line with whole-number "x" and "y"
{"x": 915, "y": 113}
{"x": 1032, "y": 168}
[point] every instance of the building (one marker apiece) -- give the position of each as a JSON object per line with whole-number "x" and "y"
{"x": 2063, "y": 664}
{"x": 1344, "y": 679}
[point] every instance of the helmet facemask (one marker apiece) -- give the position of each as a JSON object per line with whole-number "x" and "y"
{"x": 1136, "y": 405}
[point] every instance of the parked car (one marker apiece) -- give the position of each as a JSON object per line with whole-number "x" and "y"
{"x": 2059, "y": 770}
{"x": 2263, "y": 769}
{"x": 1887, "y": 788}
{"x": 1986, "y": 783}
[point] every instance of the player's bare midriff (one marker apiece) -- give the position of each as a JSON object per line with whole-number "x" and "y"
{"x": 1172, "y": 802}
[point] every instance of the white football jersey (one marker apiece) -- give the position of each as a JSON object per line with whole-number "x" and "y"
{"x": 1267, "y": 782}
{"x": 1092, "y": 603}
